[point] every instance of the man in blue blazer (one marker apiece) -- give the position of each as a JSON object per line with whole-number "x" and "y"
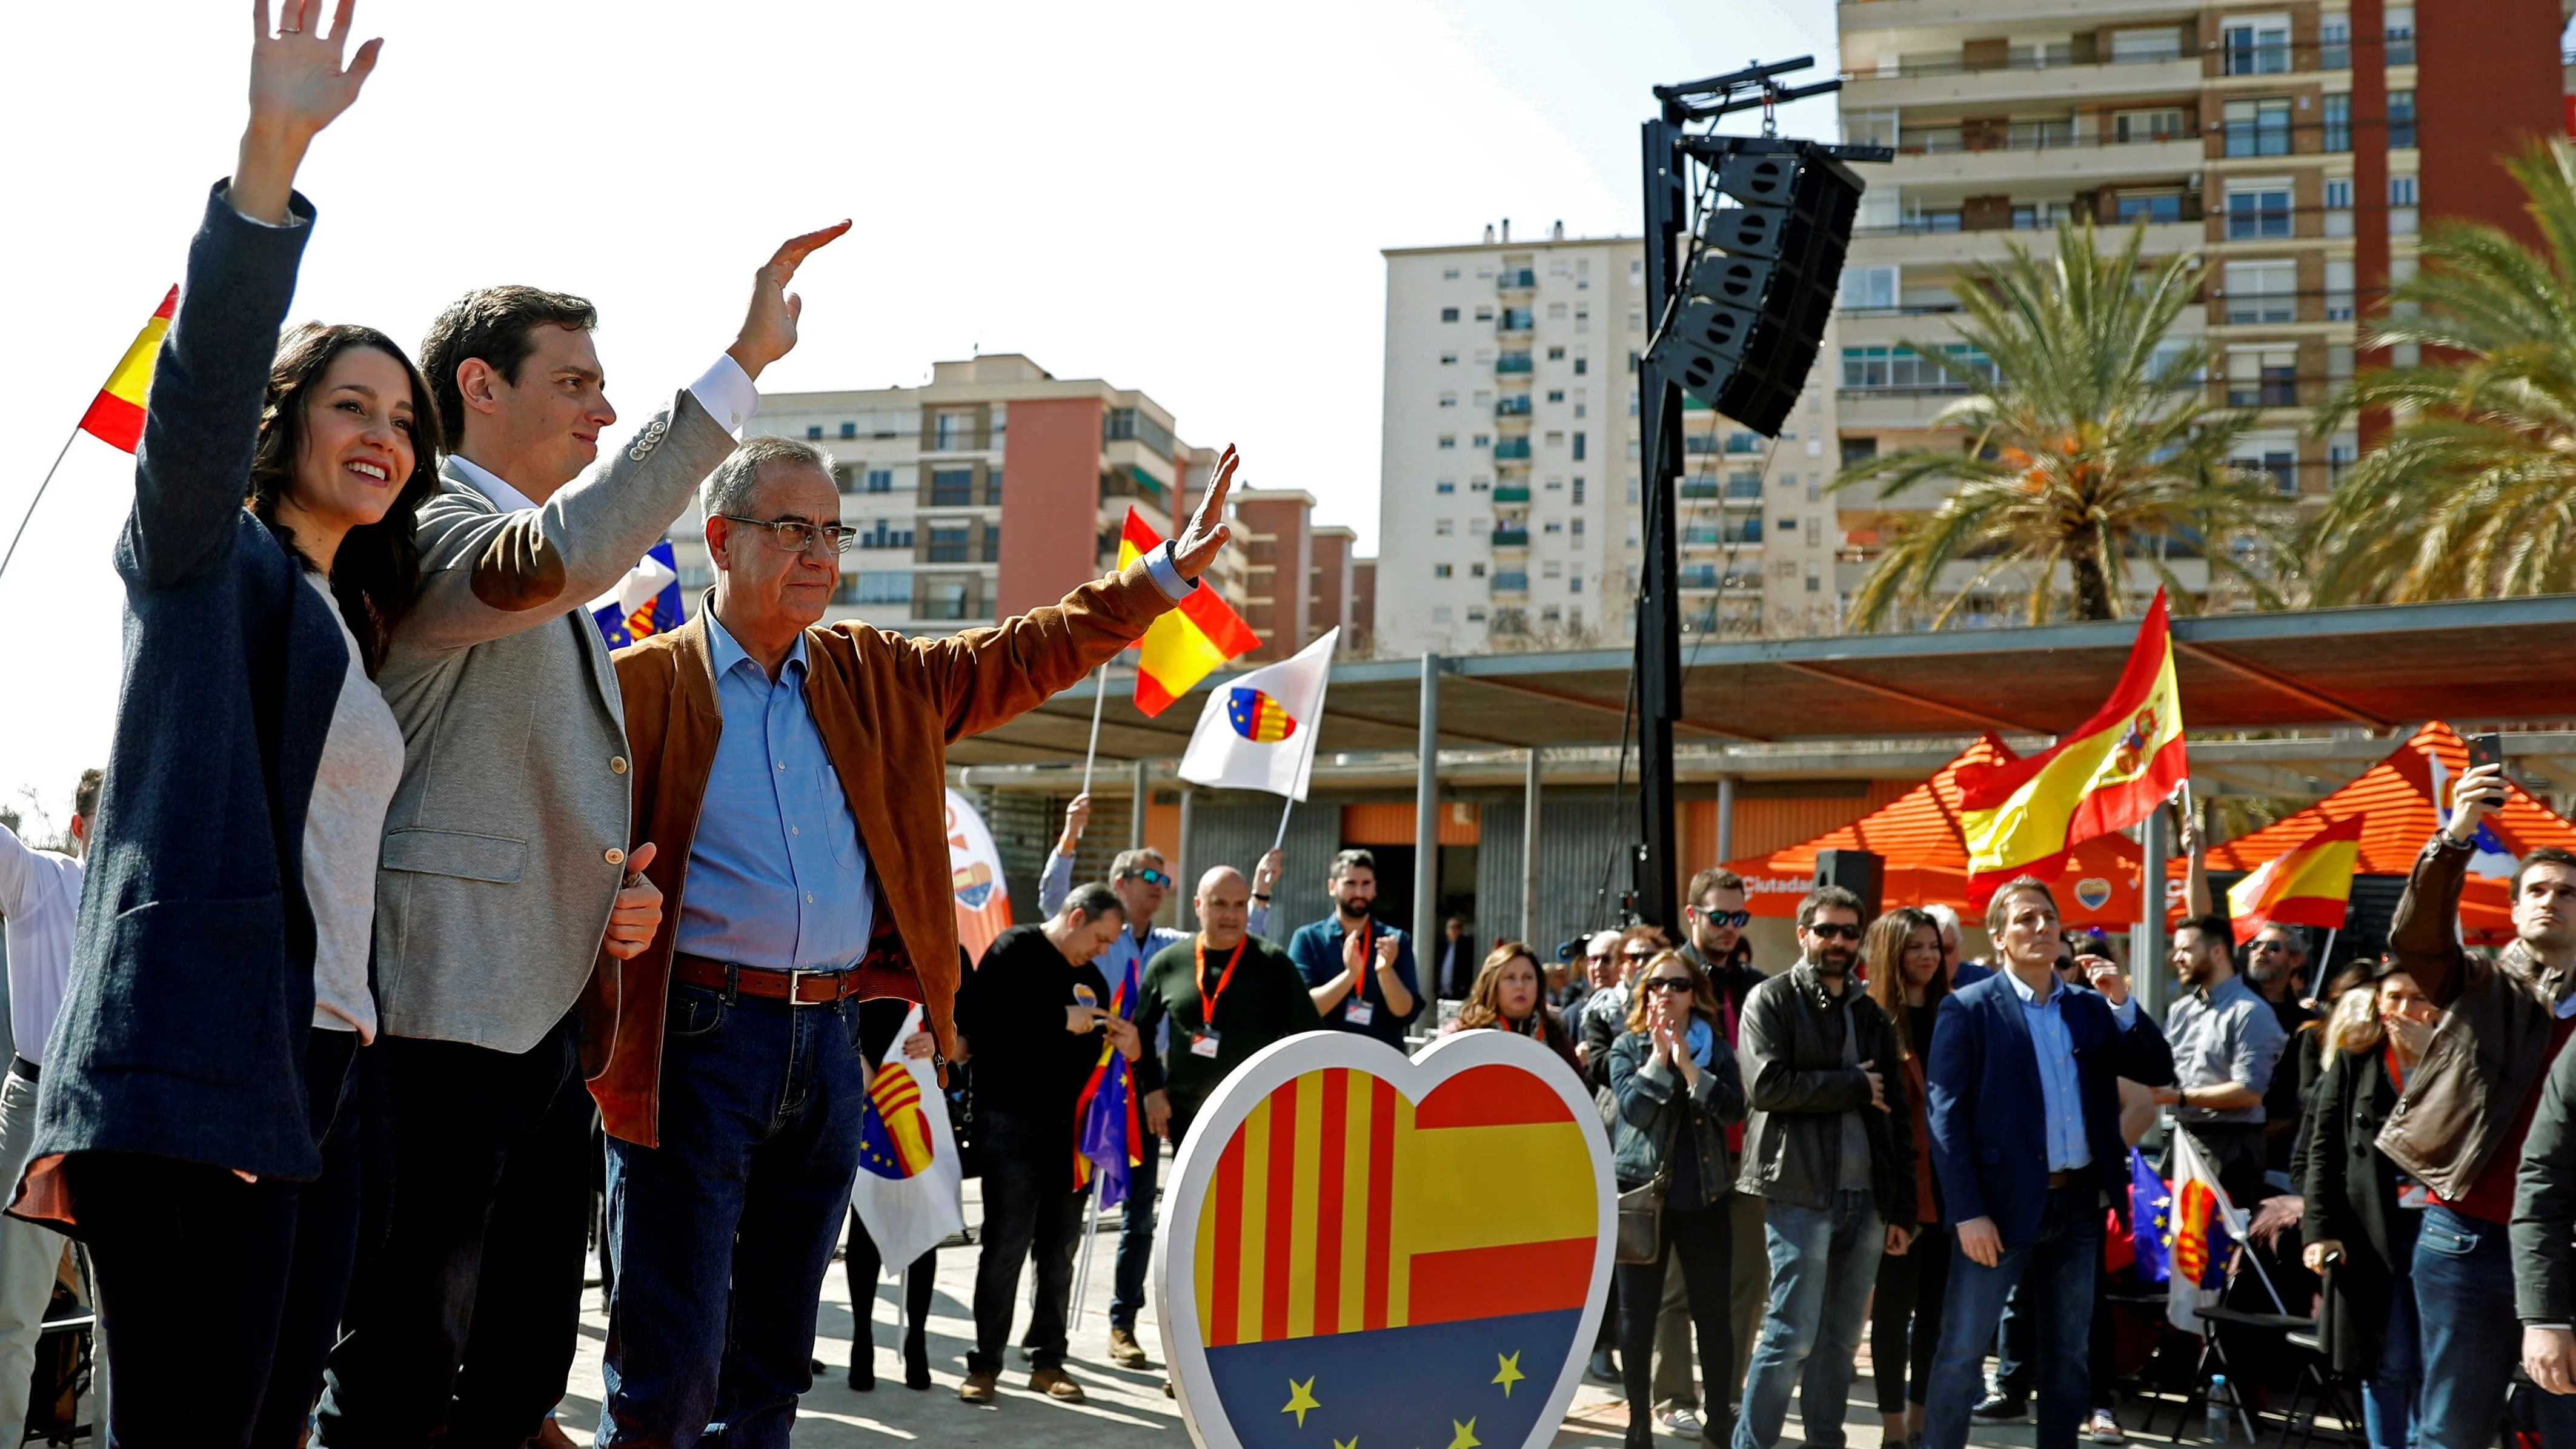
{"x": 2026, "y": 1143}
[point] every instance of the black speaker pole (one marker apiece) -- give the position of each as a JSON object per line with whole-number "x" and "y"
{"x": 1658, "y": 659}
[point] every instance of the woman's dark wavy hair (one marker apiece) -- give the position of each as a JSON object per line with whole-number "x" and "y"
{"x": 378, "y": 565}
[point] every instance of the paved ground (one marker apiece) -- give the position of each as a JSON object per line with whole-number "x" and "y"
{"x": 1127, "y": 1406}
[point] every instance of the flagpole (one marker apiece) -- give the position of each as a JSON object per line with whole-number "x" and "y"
{"x": 1099, "y": 697}
{"x": 1091, "y": 1233}
{"x": 2325, "y": 962}
{"x": 1282, "y": 838}
{"x": 39, "y": 498}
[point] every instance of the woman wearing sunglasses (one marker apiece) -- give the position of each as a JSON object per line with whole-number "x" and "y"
{"x": 1902, "y": 960}
{"x": 1509, "y": 995}
{"x": 1677, "y": 1089}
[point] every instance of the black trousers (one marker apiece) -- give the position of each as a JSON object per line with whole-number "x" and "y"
{"x": 1905, "y": 1319}
{"x": 1705, "y": 1239}
{"x": 1032, "y": 1216}
{"x": 468, "y": 1316}
{"x": 862, "y": 1263}
{"x": 225, "y": 1294}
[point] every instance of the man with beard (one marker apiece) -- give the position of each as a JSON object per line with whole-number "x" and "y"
{"x": 1359, "y": 971}
{"x": 2225, "y": 1042}
{"x": 1826, "y": 1152}
{"x": 2275, "y": 966}
{"x": 1716, "y": 916}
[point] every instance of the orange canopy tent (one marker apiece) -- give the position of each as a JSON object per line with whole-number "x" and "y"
{"x": 2398, "y": 795}
{"x": 1917, "y": 835}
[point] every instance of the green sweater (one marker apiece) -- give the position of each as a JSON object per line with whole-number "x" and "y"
{"x": 1266, "y": 1000}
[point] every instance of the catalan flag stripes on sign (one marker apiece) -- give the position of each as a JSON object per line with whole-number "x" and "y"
{"x": 894, "y": 1137}
{"x": 1186, "y": 645}
{"x": 2310, "y": 885}
{"x": 115, "y": 416}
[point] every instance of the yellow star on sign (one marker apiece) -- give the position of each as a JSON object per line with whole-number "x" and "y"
{"x": 1354, "y": 1444}
{"x": 1301, "y": 1397}
{"x": 1466, "y": 1435}
{"x": 1510, "y": 1372}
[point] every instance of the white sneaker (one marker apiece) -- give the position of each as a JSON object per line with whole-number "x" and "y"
{"x": 1680, "y": 1424}
{"x": 2104, "y": 1428}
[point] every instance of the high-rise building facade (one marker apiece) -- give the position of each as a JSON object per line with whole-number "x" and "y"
{"x": 1510, "y": 478}
{"x": 2298, "y": 148}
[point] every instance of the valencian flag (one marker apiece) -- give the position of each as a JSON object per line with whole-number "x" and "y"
{"x": 907, "y": 1194}
{"x": 2311, "y": 885}
{"x": 1393, "y": 1254}
{"x": 1257, "y": 732}
{"x": 115, "y": 416}
{"x": 2205, "y": 1227}
{"x": 975, "y": 878}
{"x": 1184, "y": 646}
{"x": 646, "y": 602}
{"x": 2104, "y": 775}
{"x": 1110, "y": 1139}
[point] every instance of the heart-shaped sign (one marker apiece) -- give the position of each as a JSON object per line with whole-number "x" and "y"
{"x": 2093, "y": 892}
{"x": 1360, "y": 1251}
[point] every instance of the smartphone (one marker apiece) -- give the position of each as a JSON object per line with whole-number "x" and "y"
{"x": 2486, "y": 749}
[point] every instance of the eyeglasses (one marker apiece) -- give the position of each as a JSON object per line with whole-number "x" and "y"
{"x": 1151, "y": 877}
{"x": 2269, "y": 946}
{"x": 1669, "y": 985}
{"x": 1726, "y": 918}
{"x": 796, "y": 536}
{"x": 1830, "y": 930}
{"x": 1596, "y": 956}
{"x": 1636, "y": 955}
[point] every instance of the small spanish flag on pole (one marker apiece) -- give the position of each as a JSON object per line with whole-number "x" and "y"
{"x": 2311, "y": 885}
{"x": 1186, "y": 645}
{"x": 115, "y": 416}
{"x": 2104, "y": 775}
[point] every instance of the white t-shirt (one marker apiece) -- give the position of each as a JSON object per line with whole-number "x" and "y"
{"x": 362, "y": 760}
{"x": 40, "y": 894}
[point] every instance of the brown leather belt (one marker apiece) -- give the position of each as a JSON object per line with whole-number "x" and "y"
{"x": 2064, "y": 1179}
{"x": 805, "y": 988}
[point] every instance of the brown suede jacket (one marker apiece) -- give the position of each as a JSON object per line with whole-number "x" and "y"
{"x": 887, "y": 707}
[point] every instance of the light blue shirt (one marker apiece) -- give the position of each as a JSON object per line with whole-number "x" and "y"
{"x": 2061, "y": 1099}
{"x": 2224, "y": 1034}
{"x": 778, "y": 876}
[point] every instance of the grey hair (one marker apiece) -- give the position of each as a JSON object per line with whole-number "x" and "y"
{"x": 1091, "y": 900}
{"x": 729, "y": 489}
{"x": 1943, "y": 917}
{"x": 1130, "y": 862}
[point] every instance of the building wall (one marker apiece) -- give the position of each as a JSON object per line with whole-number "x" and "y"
{"x": 1328, "y": 603}
{"x": 2489, "y": 73}
{"x": 1278, "y": 548}
{"x": 1051, "y": 496}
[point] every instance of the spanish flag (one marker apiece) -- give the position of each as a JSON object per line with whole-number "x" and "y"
{"x": 2102, "y": 776}
{"x": 115, "y": 416}
{"x": 1184, "y": 646}
{"x": 2311, "y": 885}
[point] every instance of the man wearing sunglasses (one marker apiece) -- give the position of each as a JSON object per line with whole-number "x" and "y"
{"x": 791, "y": 774}
{"x": 1141, "y": 881}
{"x": 2276, "y": 964}
{"x": 1716, "y": 916}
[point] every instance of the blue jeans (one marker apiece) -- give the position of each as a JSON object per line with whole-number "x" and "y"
{"x": 1136, "y": 1237}
{"x": 1824, "y": 1262}
{"x": 2055, "y": 1272}
{"x": 2472, "y": 1339}
{"x": 722, "y": 1234}
{"x": 2388, "y": 1394}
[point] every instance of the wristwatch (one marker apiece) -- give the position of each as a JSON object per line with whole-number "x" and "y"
{"x": 1265, "y": 900}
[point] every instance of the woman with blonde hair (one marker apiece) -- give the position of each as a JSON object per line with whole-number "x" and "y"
{"x": 1510, "y": 994}
{"x": 2362, "y": 1211}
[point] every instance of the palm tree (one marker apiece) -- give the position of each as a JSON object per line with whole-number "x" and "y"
{"x": 2087, "y": 446}
{"x": 2473, "y": 492}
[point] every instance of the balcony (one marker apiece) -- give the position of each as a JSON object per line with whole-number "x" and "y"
{"x": 1511, "y": 537}
{"x": 1940, "y": 246}
{"x": 1510, "y": 448}
{"x": 1513, "y": 319}
{"x": 1515, "y": 406}
{"x": 1512, "y": 493}
{"x": 1514, "y": 582}
{"x": 1948, "y": 80}
{"x": 2088, "y": 161}
{"x": 1512, "y": 362}
{"x": 1516, "y": 279}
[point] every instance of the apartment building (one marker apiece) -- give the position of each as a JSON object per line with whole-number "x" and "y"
{"x": 1510, "y": 502}
{"x": 2298, "y": 148}
{"x": 943, "y": 543}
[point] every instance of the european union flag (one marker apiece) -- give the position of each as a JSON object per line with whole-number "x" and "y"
{"x": 1111, "y": 1138}
{"x": 646, "y": 602}
{"x": 2150, "y": 1218}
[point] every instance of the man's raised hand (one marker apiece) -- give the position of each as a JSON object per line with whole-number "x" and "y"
{"x": 769, "y": 328}
{"x": 1197, "y": 547}
{"x": 2479, "y": 793}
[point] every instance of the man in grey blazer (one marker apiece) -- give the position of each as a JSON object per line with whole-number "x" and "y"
{"x": 504, "y": 866}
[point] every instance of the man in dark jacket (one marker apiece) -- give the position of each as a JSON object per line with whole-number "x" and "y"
{"x": 1828, "y": 1154}
{"x": 2026, "y": 1143}
{"x": 1716, "y": 916}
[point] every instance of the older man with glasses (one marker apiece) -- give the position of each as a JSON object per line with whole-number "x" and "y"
{"x": 2276, "y": 964}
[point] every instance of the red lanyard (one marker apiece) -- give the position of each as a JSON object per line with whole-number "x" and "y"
{"x": 1207, "y": 1002}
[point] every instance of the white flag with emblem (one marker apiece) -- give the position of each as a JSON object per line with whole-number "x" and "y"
{"x": 1257, "y": 731}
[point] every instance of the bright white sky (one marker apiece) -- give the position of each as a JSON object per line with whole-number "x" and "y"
{"x": 1187, "y": 198}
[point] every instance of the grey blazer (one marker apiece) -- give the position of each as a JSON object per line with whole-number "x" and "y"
{"x": 504, "y": 847}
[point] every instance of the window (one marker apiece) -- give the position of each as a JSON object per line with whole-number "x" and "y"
{"x": 849, "y": 430}
{"x": 1448, "y": 359}
{"x": 2258, "y": 128}
{"x": 880, "y": 480}
{"x": 2163, "y": 123}
{"x": 1788, "y": 525}
{"x": 2397, "y": 23}
{"x": 1553, "y": 527}
{"x": 1448, "y": 440}
{"x": 1577, "y": 529}
{"x": 1444, "y": 527}
{"x": 948, "y": 545}
{"x": 951, "y": 431}
{"x": 2339, "y": 289}
{"x": 1556, "y": 354}
{"x": 2258, "y": 209}
{"x": 2262, "y": 377}
{"x": 2338, "y": 122}
{"x": 1445, "y": 485}
{"x": 880, "y": 536}
{"x": 2146, "y": 47}
{"x": 1442, "y": 571}
{"x": 952, "y": 487}
{"x": 1574, "y": 585}
{"x": 1551, "y": 569}
{"x": 1582, "y": 319}
{"x": 814, "y": 431}
{"x": 2155, "y": 208}
{"x": 1869, "y": 289}
{"x": 2274, "y": 453}
{"x": 882, "y": 586}
{"x": 1868, "y": 369}
{"x": 1555, "y": 312}
{"x": 2262, "y": 291}
{"x": 1582, "y": 365}
{"x": 1743, "y": 485}
{"x": 1578, "y": 498}
{"x": 2257, "y": 45}
{"x": 1579, "y": 439}
{"x": 1448, "y": 399}
{"x": 1442, "y": 614}
{"x": 1556, "y": 394}
{"x": 2401, "y": 191}
{"x": 1480, "y": 441}
{"x": 1449, "y": 274}
{"x": 1448, "y": 314}
{"x": 1486, "y": 314}
{"x": 1475, "y": 571}
{"x": 2401, "y": 118}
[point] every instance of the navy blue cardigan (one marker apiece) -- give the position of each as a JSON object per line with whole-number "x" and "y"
{"x": 183, "y": 1032}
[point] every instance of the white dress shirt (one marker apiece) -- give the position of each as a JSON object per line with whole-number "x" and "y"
{"x": 40, "y": 894}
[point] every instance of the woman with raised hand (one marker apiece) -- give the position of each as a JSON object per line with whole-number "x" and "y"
{"x": 199, "y": 1118}
{"x": 1510, "y": 995}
